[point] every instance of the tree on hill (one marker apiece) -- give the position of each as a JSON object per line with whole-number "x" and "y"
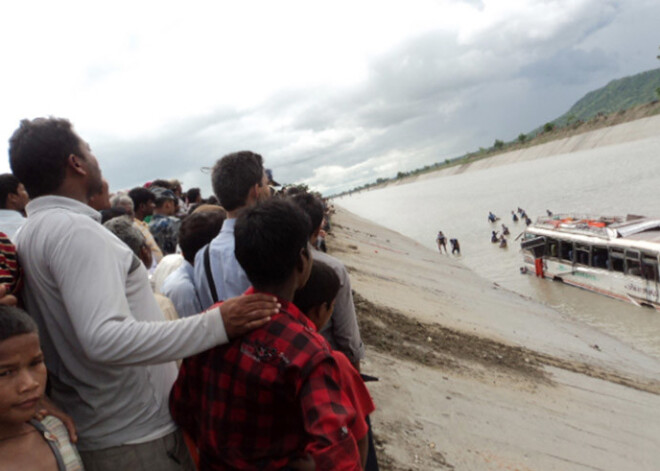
{"x": 498, "y": 144}
{"x": 522, "y": 137}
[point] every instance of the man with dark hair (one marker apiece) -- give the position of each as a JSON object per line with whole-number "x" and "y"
{"x": 342, "y": 330}
{"x": 239, "y": 182}
{"x": 109, "y": 351}
{"x": 13, "y": 199}
{"x": 264, "y": 400}
{"x": 193, "y": 196}
{"x": 144, "y": 202}
{"x": 196, "y": 231}
{"x": 164, "y": 226}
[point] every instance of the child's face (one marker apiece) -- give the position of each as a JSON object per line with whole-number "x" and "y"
{"x": 22, "y": 378}
{"x": 325, "y": 312}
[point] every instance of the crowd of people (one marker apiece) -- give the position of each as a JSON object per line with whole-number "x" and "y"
{"x": 152, "y": 329}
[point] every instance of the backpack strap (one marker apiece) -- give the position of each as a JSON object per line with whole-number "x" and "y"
{"x": 209, "y": 273}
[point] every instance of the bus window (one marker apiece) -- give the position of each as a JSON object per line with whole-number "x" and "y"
{"x": 599, "y": 257}
{"x": 633, "y": 263}
{"x": 650, "y": 267}
{"x": 551, "y": 248}
{"x": 566, "y": 251}
{"x": 616, "y": 260}
{"x": 583, "y": 254}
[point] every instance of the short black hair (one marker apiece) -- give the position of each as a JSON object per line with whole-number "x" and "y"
{"x": 192, "y": 194}
{"x": 141, "y": 195}
{"x": 321, "y": 288}
{"x": 233, "y": 176}
{"x": 15, "y": 321}
{"x": 269, "y": 237}
{"x": 8, "y": 184}
{"x": 39, "y": 151}
{"x": 197, "y": 230}
{"x": 312, "y": 206}
{"x": 111, "y": 213}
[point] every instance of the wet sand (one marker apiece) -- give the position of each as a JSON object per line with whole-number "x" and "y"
{"x": 474, "y": 377}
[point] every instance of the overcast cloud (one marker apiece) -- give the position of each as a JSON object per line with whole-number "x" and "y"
{"x": 333, "y": 95}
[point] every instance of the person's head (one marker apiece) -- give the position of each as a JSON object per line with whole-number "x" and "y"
{"x": 22, "y": 369}
{"x": 159, "y": 182}
{"x": 194, "y": 195}
{"x": 239, "y": 180}
{"x": 272, "y": 245}
{"x": 48, "y": 157}
{"x": 165, "y": 201}
{"x": 313, "y": 207}
{"x": 175, "y": 186}
{"x": 125, "y": 231}
{"x": 199, "y": 229}
{"x": 144, "y": 202}
{"x": 317, "y": 298}
{"x": 12, "y": 193}
{"x": 123, "y": 201}
{"x": 101, "y": 200}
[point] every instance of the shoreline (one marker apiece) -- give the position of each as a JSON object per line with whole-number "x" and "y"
{"x": 490, "y": 379}
{"x": 605, "y": 132}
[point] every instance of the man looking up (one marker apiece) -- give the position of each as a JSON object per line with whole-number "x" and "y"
{"x": 164, "y": 226}
{"x": 239, "y": 182}
{"x": 13, "y": 199}
{"x": 144, "y": 202}
{"x": 109, "y": 351}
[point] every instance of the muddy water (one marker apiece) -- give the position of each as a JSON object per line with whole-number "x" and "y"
{"x": 614, "y": 180}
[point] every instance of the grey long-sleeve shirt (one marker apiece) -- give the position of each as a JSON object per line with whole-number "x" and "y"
{"x": 108, "y": 349}
{"x": 342, "y": 330}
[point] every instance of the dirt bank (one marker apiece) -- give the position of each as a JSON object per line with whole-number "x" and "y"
{"x": 474, "y": 377}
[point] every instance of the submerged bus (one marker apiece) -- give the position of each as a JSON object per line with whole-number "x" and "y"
{"x": 614, "y": 256}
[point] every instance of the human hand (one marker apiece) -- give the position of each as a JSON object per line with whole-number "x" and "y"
{"x": 48, "y": 408}
{"x": 7, "y": 299}
{"x": 244, "y": 313}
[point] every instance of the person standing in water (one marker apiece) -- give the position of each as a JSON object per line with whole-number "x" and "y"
{"x": 441, "y": 240}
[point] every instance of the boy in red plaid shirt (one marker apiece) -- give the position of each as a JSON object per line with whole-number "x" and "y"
{"x": 273, "y": 397}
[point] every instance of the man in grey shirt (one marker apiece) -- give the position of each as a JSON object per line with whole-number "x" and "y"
{"x": 109, "y": 352}
{"x": 342, "y": 329}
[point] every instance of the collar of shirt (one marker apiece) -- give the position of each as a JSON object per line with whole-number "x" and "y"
{"x": 50, "y": 202}
{"x": 288, "y": 308}
{"x": 11, "y": 215}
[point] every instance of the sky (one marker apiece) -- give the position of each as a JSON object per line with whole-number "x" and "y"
{"x": 333, "y": 94}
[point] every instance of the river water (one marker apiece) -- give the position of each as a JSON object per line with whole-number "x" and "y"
{"x": 614, "y": 180}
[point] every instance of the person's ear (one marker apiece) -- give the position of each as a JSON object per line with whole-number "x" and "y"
{"x": 77, "y": 164}
{"x": 314, "y": 315}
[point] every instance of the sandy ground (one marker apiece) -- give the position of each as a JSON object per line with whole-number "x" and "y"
{"x": 474, "y": 377}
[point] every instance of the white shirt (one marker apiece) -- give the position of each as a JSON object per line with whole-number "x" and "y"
{"x": 179, "y": 287}
{"x": 10, "y": 222}
{"x": 229, "y": 277}
{"x": 107, "y": 347}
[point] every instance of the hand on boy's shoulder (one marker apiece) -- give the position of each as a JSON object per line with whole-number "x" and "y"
{"x": 48, "y": 408}
{"x": 247, "y": 312}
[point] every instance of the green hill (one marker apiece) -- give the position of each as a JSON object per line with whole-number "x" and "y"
{"x": 616, "y": 96}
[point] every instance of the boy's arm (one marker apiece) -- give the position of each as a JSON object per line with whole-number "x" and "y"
{"x": 327, "y": 416}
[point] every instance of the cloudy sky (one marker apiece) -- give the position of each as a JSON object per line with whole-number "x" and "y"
{"x": 333, "y": 94}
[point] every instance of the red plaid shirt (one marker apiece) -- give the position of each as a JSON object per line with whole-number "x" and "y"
{"x": 265, "y": 398}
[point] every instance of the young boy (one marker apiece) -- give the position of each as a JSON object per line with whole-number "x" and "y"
{"x": 26, "y": 443}
{"x": 316, "y": 300}
{"x": 268, "y": 399}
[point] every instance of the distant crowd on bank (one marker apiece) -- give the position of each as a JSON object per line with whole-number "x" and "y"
{"x": 153, "y": 329}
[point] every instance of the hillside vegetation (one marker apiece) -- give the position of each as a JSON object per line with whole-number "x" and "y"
{"x": 620, "y": 101}
{"x": 617, "y": 95}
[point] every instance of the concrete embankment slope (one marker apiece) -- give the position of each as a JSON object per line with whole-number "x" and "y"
{"x": 626, "y": 132}
{"x": 474, "y": 377}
